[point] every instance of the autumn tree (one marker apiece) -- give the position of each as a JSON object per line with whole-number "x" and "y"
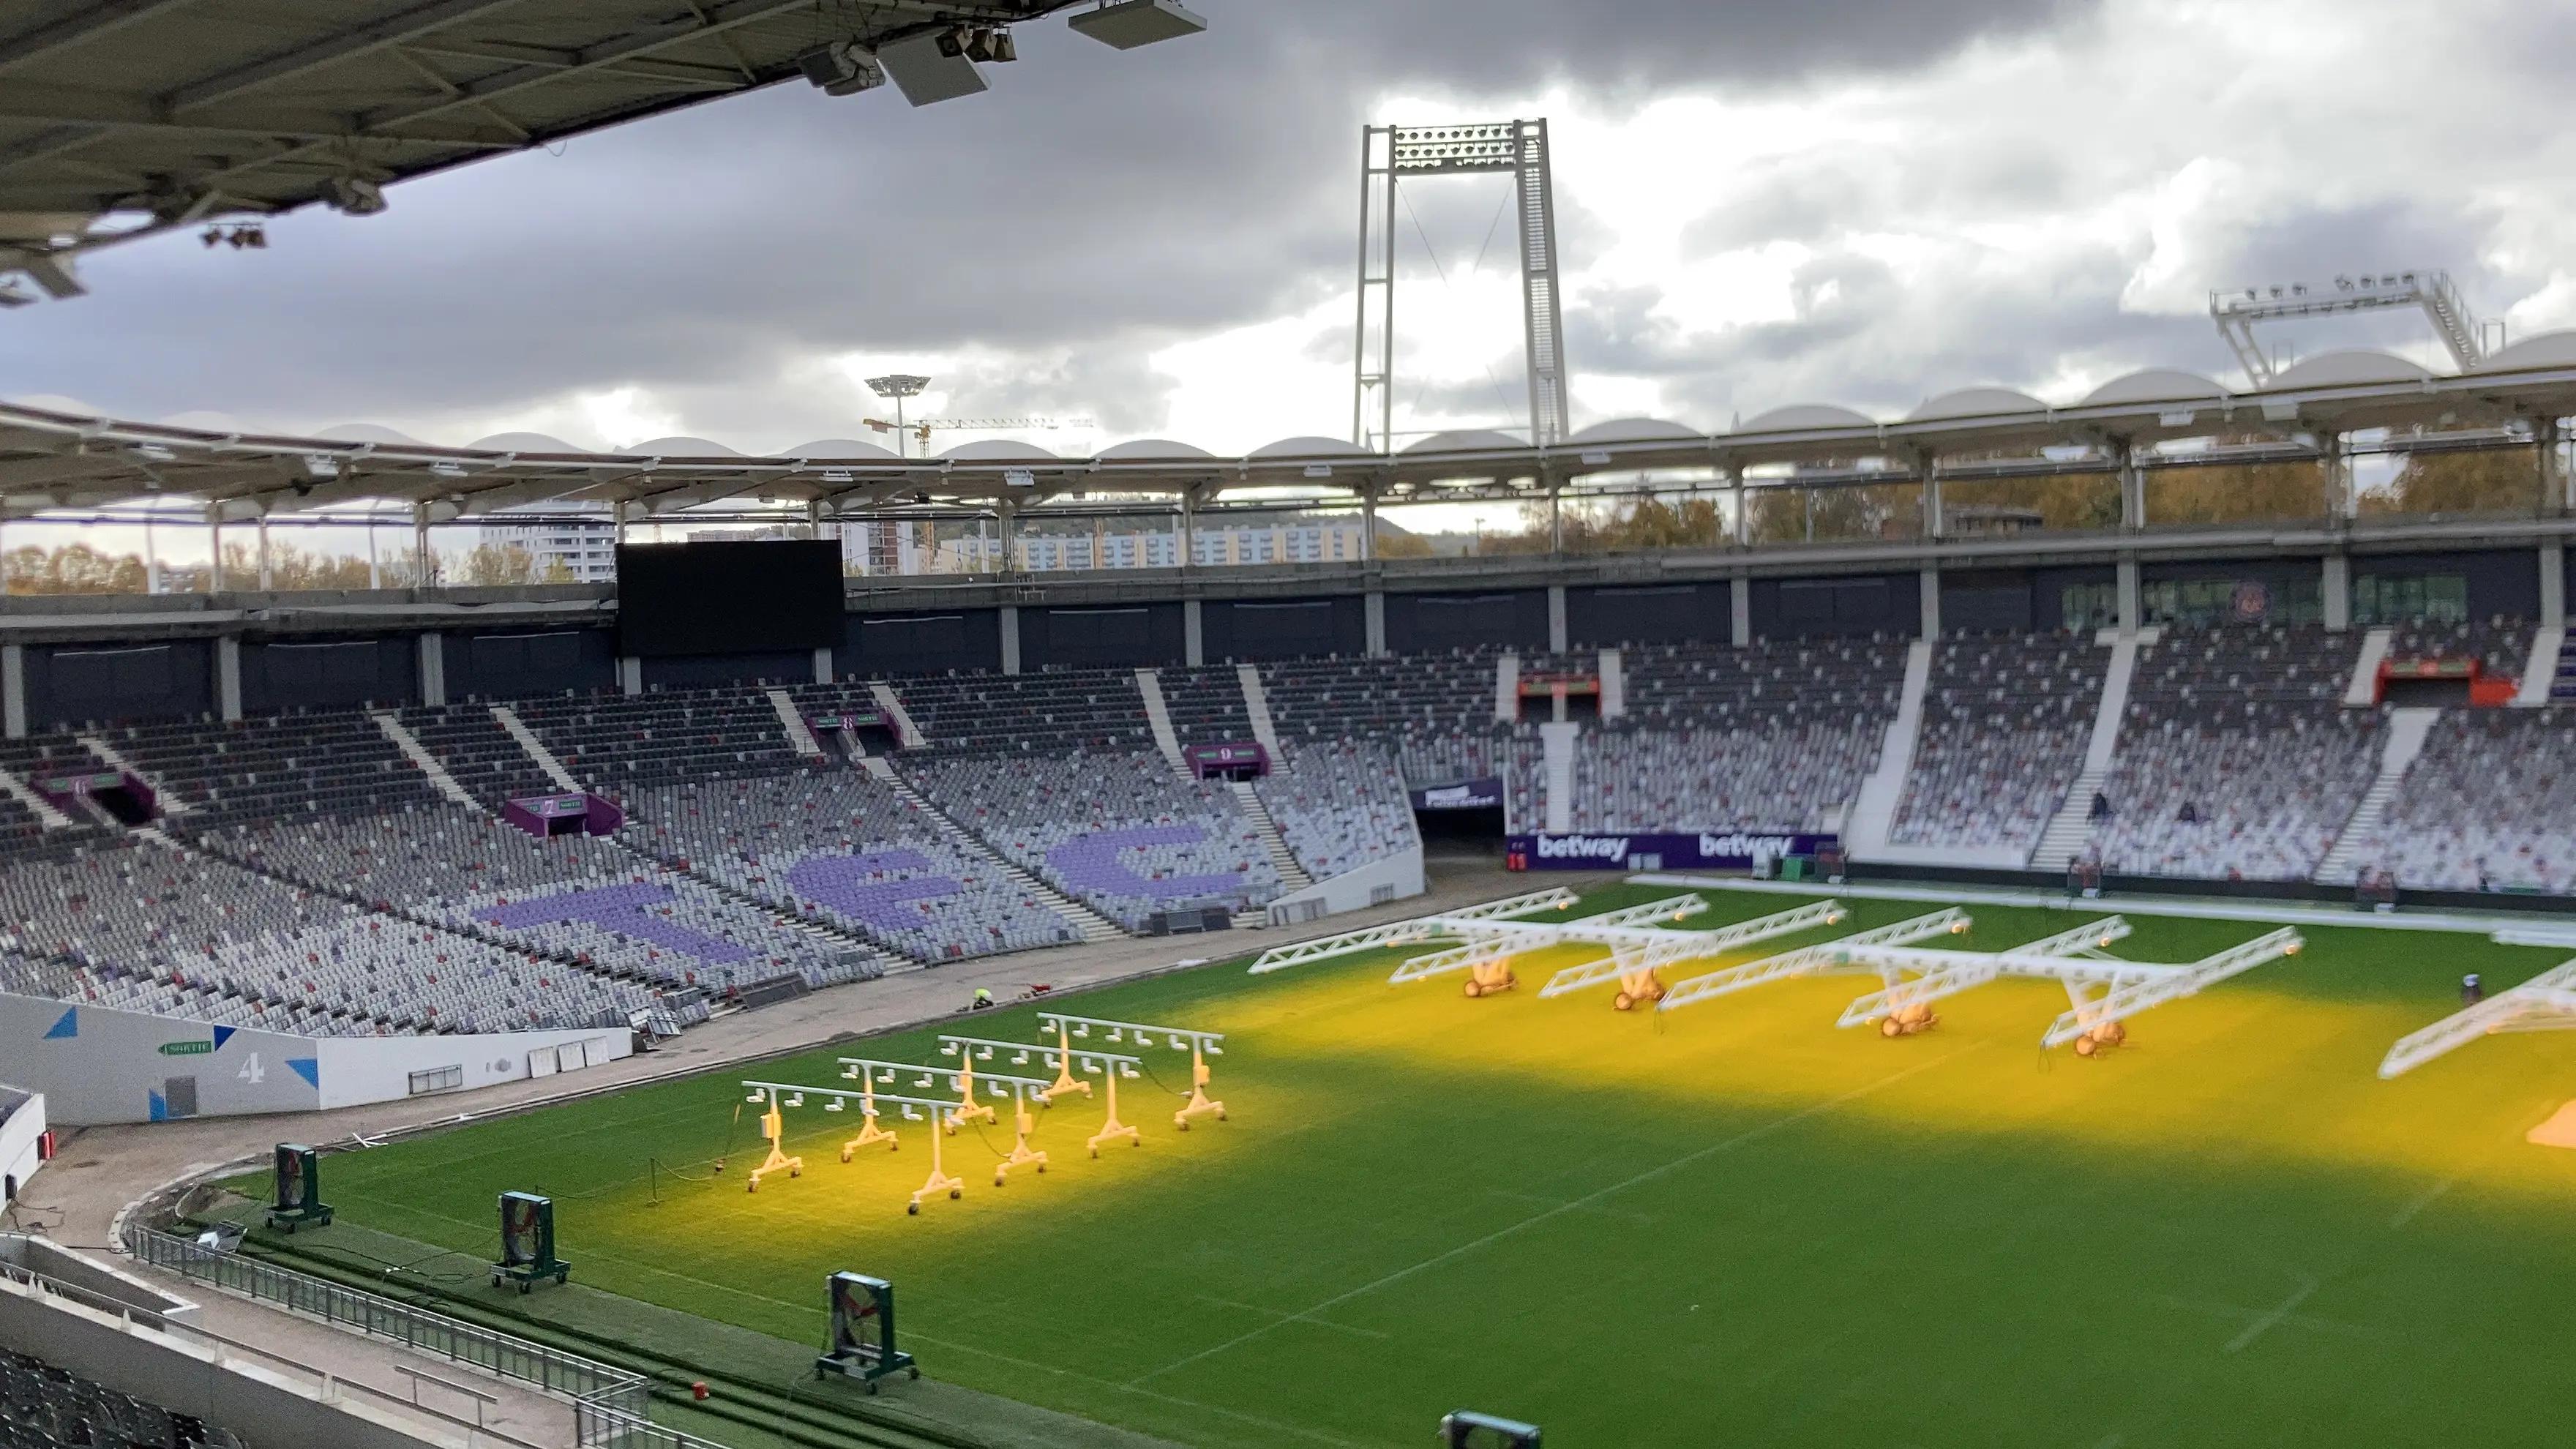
{"x": 2490, "y": 480}
{"x": 74, "y": 569}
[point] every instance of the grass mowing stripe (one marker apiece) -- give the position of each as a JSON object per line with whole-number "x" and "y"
{"x": 1729, "y": 1144}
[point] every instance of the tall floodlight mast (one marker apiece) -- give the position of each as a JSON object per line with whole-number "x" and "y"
{"x": 1389, "y": 153}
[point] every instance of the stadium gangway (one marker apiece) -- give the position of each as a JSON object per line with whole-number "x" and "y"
{"x": 2547, "y": 1002}
{"x": 1634, "y": 964}
{"x": 942, "y": 1114}
{"x": 1420, "y": 928}
{"x": 1492, "y": 942}
{"x": 1947, "y": 973}
{"x": 1811, "y": 960}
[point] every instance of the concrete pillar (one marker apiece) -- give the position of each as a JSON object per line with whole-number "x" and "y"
{"x": 2556, "y": 496}
{"x": 228, "y": 701}
{"x": 215, "y": 550}
{"x": 13, "y": 690}
{"x": 1556, "y": 619}
{"x": 2133, "y": 485}
{"x": 151, "y": 558}
{"x": 1932, "y": 520}
{"x": 630, "y": 675}
{"x": 1931, "y": 587}
{"x": 1368, "y": 524}
{"x": 1189, "y": 529}
{"x": 375, "y": 571}
{"x": 2338, "y": 478}
{"x": 1373, "y": 620}
{"x": 433, "y": 668}
{"x": 823, "y": 665}
{"x": 1743, "y": 518}
{"x": 2132, "y": 617}
{"x": 1740, "y": 592}
{"x": 1010, "y": 630}
{"x": 2338, "y": 591}
{"x": 2553, "y": 583}
{"x": 425, "y": 564}
{"x": 267, "y": 580}
{"x": 1555, "y": 521}
{"x": 1193, "y": 637}
{"x": 1010, "y": 554}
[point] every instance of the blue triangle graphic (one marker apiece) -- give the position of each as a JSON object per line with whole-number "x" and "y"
{"x": 224, "y": 1034}
{"x": 160, "y": 1110}
{"x": 309, "y": 1068}
{"x": 67, "y": 1028}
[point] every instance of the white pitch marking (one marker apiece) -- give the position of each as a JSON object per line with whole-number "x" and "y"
{"x": 2421, "y": 1201}
{"x": 2273, "y": 1319}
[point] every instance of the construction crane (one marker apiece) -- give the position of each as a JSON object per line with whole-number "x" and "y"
{"x": 921, "y": 431}
{"x": 2462, "y": 335}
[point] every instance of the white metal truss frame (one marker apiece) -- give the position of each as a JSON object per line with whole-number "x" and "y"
{"x": 1176, "y": 1038}
{"x": 2547, "y": 1002}
{"x": 1490, "y": 941}
{"x": 1630, "y": 957}
{"x": 2099, "y": 989}
{"x": 1811, "y": 960}
{"x": 793, "y": 1095}
{"x": 1403, "y": 933}
{"x": 2068, "y": 955}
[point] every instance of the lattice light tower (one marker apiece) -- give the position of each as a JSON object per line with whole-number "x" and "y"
{"x": 1387, "y": 155}
{"x": 2237, "y": 314}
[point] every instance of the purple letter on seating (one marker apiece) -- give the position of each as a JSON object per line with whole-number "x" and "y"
{"x": 843, "y": 882}
{"x": 1090, "y": 862}
{"x": 625, "y": 909}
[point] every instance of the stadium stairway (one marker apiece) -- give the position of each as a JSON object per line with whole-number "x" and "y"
{"x": 906, "y": 733}
{"x": 800, "y": 736}
{"x": 2362, "y": 690}
{"x": 1256, "y": 707}
{"x": 2547, "y": 674}
{"x": 2072, "y": 826}
{"x": 414, "y": 751}
{"x": 1090, "y": 924}
{"x": 170, "y": 804}
{"x": 2407, "y": 731}
{"x": 1291, "y": 874}
{"x": 36, "y": 805}
{"x": 1874, "y": 813}
{"x": 509, "y": 720}
{"x": 1149, "y": 683}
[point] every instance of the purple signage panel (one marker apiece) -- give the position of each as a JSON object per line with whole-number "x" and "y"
{"x": 1484, "y": 794}
{"x": 1640, "y": 850}
{"x": 1237, "y": 752}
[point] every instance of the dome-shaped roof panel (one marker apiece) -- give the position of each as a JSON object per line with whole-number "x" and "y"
{"x": 836, "y": 448}
{"x": 1311, "y": 448}
{"x": 1148, "y": 448}
{"x": 368, "y": 433}
{"x": 2549, "y": 349}
{"x": 2345, "y": 369}
{"x": 523, "y": 443}
{"x": 1976, "y": 402}
{"x": 1000, "y": 450}
{"x": 1800, "y": 417}
{"x": 1637, "y": 430}
{"x": 680, "y": 446}
{"x": 1466, "y": 440}
{"x": 2154, "y": 385}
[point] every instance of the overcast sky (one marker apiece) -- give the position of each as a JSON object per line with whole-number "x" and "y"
{"x": 1761, "y": 202}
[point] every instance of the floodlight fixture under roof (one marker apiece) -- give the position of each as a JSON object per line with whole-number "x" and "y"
{"x": 1127, "y": 24}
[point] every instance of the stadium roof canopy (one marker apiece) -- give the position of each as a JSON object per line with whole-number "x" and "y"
{"x": 52, "y": 461}
{"x": 122, "y": 118}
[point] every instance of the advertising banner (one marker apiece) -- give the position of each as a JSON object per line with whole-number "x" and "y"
{"x": 1638, "y": 850}
{"x": 1484, "y": 794}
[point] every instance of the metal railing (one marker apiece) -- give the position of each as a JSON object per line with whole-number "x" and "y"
{"x": 609, "y": 1404}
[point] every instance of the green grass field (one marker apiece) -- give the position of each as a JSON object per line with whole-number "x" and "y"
{"x": 1728, "y": 1224}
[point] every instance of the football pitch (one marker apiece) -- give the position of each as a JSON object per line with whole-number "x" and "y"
{"x": 1725, "y": 1224}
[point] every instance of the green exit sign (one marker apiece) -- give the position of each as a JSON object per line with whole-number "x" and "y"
{"x": 187, "y": 1048}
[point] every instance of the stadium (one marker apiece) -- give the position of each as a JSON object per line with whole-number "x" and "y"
{"x": 2028, "y": 920}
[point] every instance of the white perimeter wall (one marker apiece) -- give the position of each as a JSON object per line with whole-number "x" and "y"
{"x": 1352, "y": 890}
{"x": 94, "y": 1065}
{"x": 18, "y": 1140}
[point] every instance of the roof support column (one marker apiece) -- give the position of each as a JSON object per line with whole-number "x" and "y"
{"x": 1189, "y": 527}
{"x": 13, "y": 689}
{"x": 1929, "y": 468}
{"x": 267, "y": 580}
{"x": 1739, "y": 592}
{"x": 1010, "y": 638}
{"x": 1373, "y": 623}
{"x": 2336, "y": 588}
{"x": 2337, "y": 460}
{"x": 424, "y": 564}
{"x": 228, "y": 701}
{"x": 1193, "y": 633}
{"x": 2133, "y": 485}
{"x": 2131, "y": 609}
{"x": 1743, "y": 518}
{"x": 1555, "y": 518}
{"x": 2548, "y": 434}
{"x": 1008, "y": 513}
{"x": 2553, "y": 584}
{"x": 151, "y": 556}
{"x": 1368, "y": 523}
{"x": 375, "y": 570}
{"x": 215, "y": 548}
{"x": 1931, "y": 601}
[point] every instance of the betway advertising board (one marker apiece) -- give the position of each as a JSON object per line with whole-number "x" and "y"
{"x": 1703, "y": 850}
